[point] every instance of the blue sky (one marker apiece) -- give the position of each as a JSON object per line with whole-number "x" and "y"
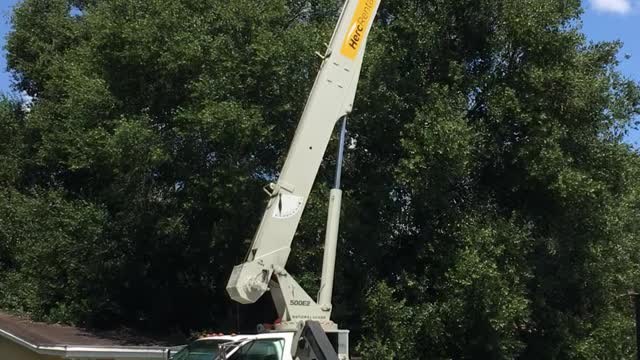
{"x": 603, "y": 20}
{"x": 5, "y": 8}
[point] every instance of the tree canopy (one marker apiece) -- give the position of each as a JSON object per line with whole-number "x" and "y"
{"x": 491, "y": 207}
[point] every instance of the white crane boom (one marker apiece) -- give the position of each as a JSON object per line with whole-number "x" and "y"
{"x": 330, "y": 99}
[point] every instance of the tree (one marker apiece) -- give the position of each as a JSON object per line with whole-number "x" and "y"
{"x": 491, "y": 203}
{"x": 509, "y": 182}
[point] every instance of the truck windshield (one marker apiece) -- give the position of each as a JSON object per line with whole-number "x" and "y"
{"x": 199, "y": 350}
{"x": 260, "y": 349}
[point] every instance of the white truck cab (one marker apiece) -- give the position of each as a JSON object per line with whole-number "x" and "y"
{"x": 267, "y": 346}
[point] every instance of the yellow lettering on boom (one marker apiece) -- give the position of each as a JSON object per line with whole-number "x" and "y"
{"x": 358, "y": 29}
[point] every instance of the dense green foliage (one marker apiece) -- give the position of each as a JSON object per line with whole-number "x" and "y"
{"x": 491, "y": 207}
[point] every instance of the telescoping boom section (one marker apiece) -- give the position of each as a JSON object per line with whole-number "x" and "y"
{"x": 331, "y": 99}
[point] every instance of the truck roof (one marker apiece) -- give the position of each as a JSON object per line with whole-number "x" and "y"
{"x": 237, "y": 337}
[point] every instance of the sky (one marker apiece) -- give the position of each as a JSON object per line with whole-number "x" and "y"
{"x": 602, "y": 20}
{"x": 5, "y": 8}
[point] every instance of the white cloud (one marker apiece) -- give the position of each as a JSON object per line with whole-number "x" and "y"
{"x": 27, "y": 102}
{"x": 615, "y": 6}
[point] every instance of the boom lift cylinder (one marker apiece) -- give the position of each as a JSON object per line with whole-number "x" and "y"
{"x": 333, "y": 225}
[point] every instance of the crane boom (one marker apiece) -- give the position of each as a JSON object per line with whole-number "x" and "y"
{"x": 331, "y": 99}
